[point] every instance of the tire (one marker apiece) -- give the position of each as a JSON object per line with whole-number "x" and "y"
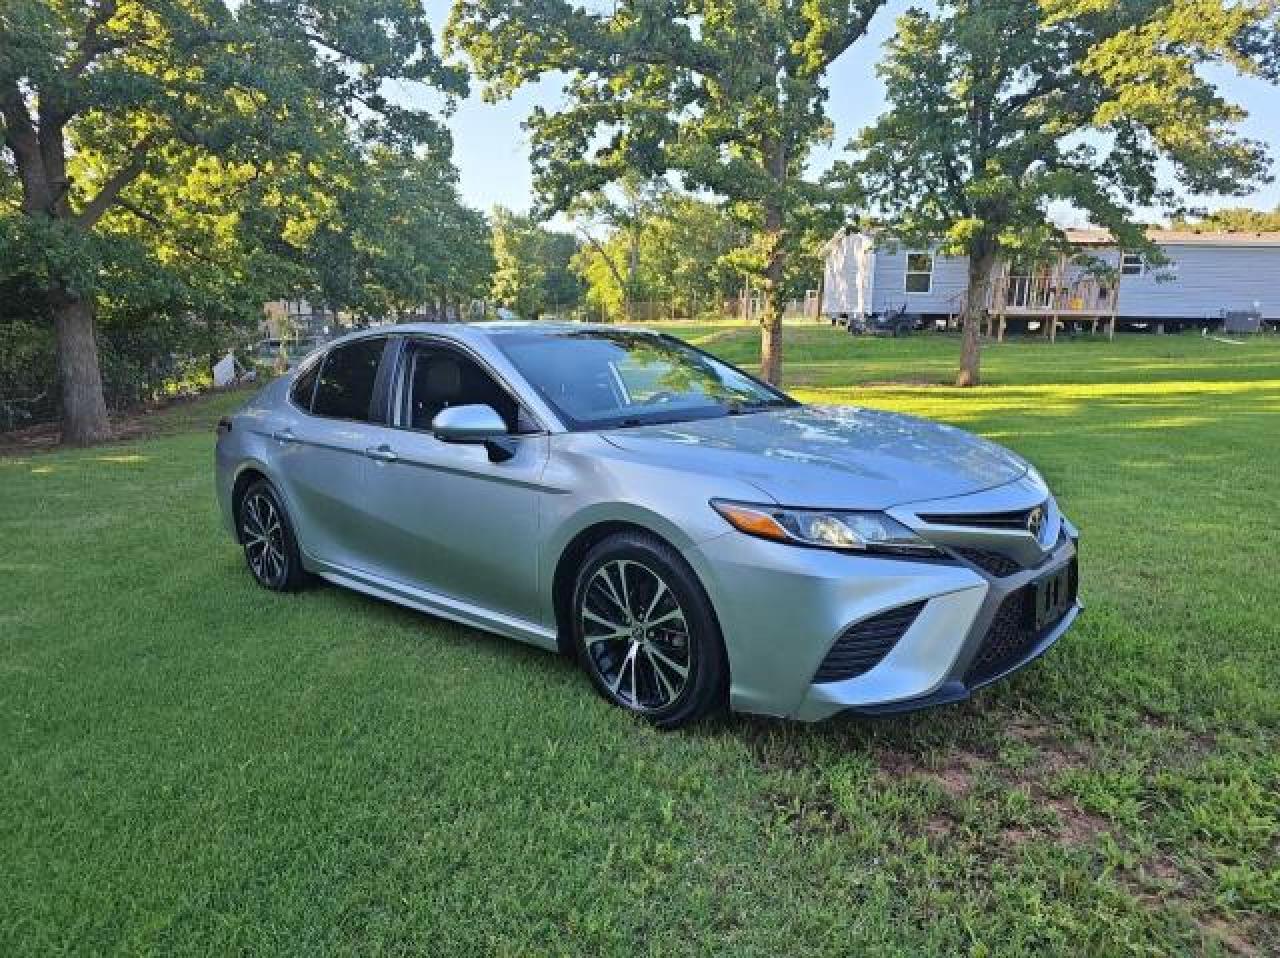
{"x": 266, "y": 534}
{"x": 640, "y": 616}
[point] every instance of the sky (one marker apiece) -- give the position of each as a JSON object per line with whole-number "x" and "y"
{"x": 491, "y": 149}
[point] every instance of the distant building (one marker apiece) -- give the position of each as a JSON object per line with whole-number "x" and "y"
{"x": 1209, "y": 276}
{"x": 299, "y": 319}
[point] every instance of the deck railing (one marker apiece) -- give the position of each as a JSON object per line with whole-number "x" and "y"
{"x": 1047, "y": 294}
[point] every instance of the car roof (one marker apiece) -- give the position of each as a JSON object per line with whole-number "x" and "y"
{"x": 479, "y": 332}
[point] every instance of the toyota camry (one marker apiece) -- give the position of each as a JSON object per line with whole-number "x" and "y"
{"x": 691, "y": 536}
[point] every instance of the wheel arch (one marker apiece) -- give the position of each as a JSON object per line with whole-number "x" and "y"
{"x": 573, "y": 552}
{"x": 249, "y": 473}
{"x": 566, "y": 570}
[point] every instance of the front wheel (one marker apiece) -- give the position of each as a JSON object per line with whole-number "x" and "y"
{"x": 646, "y": 633}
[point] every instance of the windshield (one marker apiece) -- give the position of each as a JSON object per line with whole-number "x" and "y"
{"x": 600, "y": 379}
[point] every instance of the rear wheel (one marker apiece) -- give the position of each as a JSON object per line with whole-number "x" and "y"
{"x": 270, "y": 549}
{"x": 646, "y": 633}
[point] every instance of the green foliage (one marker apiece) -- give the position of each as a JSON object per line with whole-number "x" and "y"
{"x": 1233, "y": 220}
{"x": 397, "y": 236}
{"x": 998, "y": 109}
{"x": 164, "y": 158}
{"x": 725, "y": 95}
{"x": 531, "y": 273}
{"x": 682, "y": 246}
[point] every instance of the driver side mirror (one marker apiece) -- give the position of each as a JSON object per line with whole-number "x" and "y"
{"x": 475, "y": 423}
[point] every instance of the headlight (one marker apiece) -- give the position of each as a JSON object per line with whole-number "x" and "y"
{"x": 847, "y": 531}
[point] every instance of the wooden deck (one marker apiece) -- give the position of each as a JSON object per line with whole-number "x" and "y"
{"x": 1051, "y": 295}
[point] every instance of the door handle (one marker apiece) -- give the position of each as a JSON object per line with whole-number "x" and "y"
{"x": 381, "y": 453}
{"x": 283, "y": 435}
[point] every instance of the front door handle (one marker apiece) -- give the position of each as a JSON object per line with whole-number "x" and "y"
{"x": 381, "y": 453}
{"x": 283, "y": 435}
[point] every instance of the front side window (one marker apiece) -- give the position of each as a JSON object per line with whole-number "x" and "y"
{"x": 598, "y": 379}
{"x": 347, "y": 378}
{"x": 919, "y": 272}
{"x": 440, "y": 377}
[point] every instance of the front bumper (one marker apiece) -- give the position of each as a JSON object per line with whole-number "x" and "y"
{"x": 782, "y": 608}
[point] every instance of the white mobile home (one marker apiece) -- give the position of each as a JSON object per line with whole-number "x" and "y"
{"x": 1209, "y": 276}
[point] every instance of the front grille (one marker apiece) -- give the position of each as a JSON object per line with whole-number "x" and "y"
{"x": 993, "y": 563}
{"x": 863, "y": 646}
{"x": 1017, "y": 519}
{"x": 1012, "y": 633}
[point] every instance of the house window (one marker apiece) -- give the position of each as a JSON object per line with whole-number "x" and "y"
{"x": 1131, "y": 264}
{"x": 919, "y": 272}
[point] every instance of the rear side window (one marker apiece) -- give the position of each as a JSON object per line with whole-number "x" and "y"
{"x": 304, "y": 387}
{"x": 347, "y": 378}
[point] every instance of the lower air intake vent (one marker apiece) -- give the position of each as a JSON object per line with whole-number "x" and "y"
{"x": 993, "y": 563}
{"x": 1012, "y": 633}
{"x": 863, "y": 646}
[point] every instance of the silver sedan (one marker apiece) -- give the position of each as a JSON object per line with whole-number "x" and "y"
{"x": 690, "y": 535}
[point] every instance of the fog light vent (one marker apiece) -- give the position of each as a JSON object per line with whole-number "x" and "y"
{"x": 863, "y": 646}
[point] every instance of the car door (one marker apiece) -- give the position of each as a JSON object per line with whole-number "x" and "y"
{"x": 450, "y": 517}
{"x": 322, "y": 453}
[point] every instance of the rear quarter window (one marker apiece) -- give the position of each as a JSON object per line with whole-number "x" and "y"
{"x": 304, "y": 386}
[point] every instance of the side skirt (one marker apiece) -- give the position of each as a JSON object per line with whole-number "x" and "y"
{"x": 433, "y": 603}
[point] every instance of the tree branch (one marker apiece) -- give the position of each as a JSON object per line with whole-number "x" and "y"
{"x": 20, "y": 136}
{"x": 608, "y": 260}
{"x": 94, "y": 44}
{"x": 88, "y": 217}
{"x": 855, "y": 30}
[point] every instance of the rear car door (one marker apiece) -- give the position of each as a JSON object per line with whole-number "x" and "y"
{"x": 322, "y": 452}
{"x": 452, "y": 519}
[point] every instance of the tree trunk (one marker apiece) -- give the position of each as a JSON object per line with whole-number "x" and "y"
{"x": 982, "y": 260}
{"x": 84, "y": 411}
{"x": 771, "y": 319}
{"x": 633, "y": 267}
{"x": 771, "y": 315}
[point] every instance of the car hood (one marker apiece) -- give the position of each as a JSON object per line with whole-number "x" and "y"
{"x": 833, "y": 457}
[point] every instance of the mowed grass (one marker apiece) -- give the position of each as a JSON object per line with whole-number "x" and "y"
{"x": 190, "y": 765}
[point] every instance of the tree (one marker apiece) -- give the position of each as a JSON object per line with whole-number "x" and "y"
{"x": 96, "y": 97}
{"x": 726, "y": 94}
{"x": 674, "y": 252}
{"x": 562, "y": 286}
{"x": 531, "y": 270}
{"x": 519, "y": 274}
{"x": 1233, "y": 220}
{"x": 999, "y": 107}
{"x": 621, "y": 213}
{"x": 394, "y": 237}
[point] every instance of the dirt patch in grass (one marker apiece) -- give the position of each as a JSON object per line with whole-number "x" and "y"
{"x": 1234, "y": 935}
{"x": 1075, "y": 825}
{"x": 954, "y": 775}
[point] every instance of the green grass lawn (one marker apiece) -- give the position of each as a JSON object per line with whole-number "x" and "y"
{"x": 191, "y": 765}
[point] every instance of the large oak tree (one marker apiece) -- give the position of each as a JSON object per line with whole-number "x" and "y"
{"x": 998, "y": 108}
{"x": 727, "y": 94}
{"x": 101, "y": 100}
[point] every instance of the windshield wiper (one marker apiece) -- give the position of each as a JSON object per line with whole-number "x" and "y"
{"x": 737, "y": 407}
